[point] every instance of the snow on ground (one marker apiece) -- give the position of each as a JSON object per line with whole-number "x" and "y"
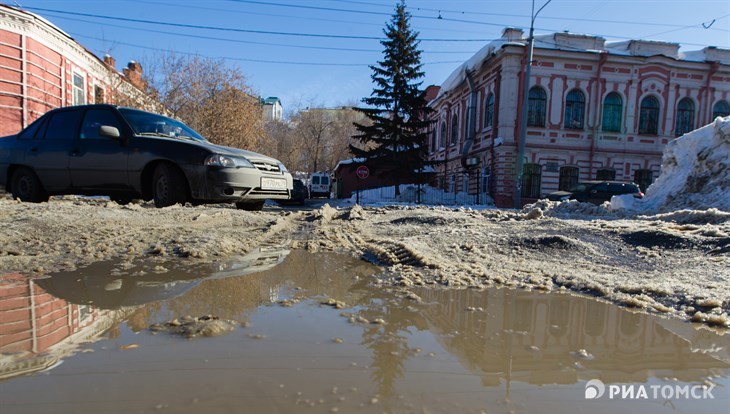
{"x": 695, "y": 174}
{"x": 409, "y": 196}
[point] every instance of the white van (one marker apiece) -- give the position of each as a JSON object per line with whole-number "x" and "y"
{"x": 319, "y": 185}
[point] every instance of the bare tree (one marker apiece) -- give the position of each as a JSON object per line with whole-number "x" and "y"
{"x": 211, "y": 97}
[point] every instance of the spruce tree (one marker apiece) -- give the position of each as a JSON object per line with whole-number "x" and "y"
{"x": 397, "y": 132}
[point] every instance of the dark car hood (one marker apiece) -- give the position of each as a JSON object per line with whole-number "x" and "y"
{"x": 221, "y": 149}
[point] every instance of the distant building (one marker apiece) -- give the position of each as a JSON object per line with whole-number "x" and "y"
{"x": 272, "y": 109}
{"x": 596, "y": 110}
{"x": 42, "y": 68}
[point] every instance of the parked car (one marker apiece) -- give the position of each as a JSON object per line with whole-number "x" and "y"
{"x": 130, "y": 154}
{"x": 596, "y": 192}
{"x": 319, "y": 185}
{"x": 298, "y": 195}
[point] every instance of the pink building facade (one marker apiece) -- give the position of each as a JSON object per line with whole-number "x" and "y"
{"x": 596, "y": 110}
{"x": 42, "y": 68}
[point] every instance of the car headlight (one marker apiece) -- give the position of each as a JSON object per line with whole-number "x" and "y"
{"x": 282, "y": 168}
{"x": 218, "y": 160}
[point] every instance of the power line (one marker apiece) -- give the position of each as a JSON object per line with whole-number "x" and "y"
{"x": 283, "y": 62}
{"x": 640, "y": 23}
{"x": 230, "y": 29}
{"x": 223, "y": 39}
{"x": 249, "y": 12}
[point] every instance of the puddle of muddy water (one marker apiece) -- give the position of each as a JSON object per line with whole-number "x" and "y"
{"x": 79, "y": 342}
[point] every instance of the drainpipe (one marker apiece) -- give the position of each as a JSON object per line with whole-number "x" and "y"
{"x": 471, "y": 119}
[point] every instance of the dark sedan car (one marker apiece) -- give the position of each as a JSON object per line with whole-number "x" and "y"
{"x": 596, "y": 192}
{"x": 298, "y": 195}
{"x": 128, "y": 154}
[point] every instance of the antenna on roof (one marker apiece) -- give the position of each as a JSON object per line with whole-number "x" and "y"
{"x": 440, "y": 18}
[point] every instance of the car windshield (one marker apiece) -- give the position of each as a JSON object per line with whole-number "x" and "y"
{"x": 579, "y": 188}
{"x": 145, "y": 123}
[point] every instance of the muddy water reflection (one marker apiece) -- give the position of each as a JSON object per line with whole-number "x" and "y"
{"x": 440, "y": 351}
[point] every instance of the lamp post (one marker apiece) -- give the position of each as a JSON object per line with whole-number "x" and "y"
{"x": 520, "y": 162}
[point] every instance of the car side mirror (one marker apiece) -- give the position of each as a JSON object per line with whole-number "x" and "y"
{"x": 109, "y": 131}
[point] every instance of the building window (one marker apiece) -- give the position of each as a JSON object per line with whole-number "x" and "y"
{"x": 79, "y": 96}
{"x": 489, "y": 111}
{"x": 536, "y": 107}
{"x": 644, "y": 178}
{"x": 531, "y": 180}
{"x": 433, "y": 140}
{"x": 98, "y": 95}
{"x": 442, "y": 137}
{"x": 575, "y": 104}
{"x": 612, "y": 110}
{"x": 606, "y": 174}
{"x": 685, "y": 117}
{"x": 721, "y": 108}
{"x": 649, "y": 116}
{"x": 568, "y": 178}
{"x": 454, "y": 129}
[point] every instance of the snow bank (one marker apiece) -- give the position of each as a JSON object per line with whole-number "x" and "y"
{"x": 429, "y": 195}
{"x": 695, "y": 174}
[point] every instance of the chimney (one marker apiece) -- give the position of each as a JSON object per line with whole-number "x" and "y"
{"x": 512, "y": 34}
{"x": 133, "y": 73}
{"x": 110, "y": 61}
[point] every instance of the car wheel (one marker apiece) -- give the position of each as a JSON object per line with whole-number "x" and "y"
{"x": 255, "y": 206}
{"x": 168, "y": 186}
{"x": 26, "y": 186}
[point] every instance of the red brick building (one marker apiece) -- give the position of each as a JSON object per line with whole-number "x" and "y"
{"x": 596, "y": 110}
{"x": 42, "y": 68}
{"x": 37, "y": 329}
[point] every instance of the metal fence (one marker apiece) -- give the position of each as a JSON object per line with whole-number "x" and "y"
{"x": 454, "y": 188}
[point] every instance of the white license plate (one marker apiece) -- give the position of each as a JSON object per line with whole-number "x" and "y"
{"x": 273, "y": 183}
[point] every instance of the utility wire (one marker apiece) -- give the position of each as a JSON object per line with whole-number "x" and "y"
{"x": 230, "y": 29}
{"x": 223, "y": 39}
{"x": 299, "y": 17}
{"x": 639, "y": 23}
{"x": 284, "y": 62}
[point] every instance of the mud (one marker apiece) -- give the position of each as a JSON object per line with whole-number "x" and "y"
{"x": 322, "y": 333}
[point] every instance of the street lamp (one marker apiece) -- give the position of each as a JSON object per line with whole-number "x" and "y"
{"x": 525, "y": 97}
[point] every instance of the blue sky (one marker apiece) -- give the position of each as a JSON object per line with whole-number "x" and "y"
{"x": 330, "y": 70}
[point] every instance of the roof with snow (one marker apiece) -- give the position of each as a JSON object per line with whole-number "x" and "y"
{"x": 574, "y": 42}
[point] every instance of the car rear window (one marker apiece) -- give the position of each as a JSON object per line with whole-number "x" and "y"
{"x": 30, "y": 131}
{"x": 315, "y": 180}
{"x": 63, "y": 125}
{"x": 325, "y": 180}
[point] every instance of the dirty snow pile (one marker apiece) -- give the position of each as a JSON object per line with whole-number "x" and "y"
{"x": 695, "y": 174}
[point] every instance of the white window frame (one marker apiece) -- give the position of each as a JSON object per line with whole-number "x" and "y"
{"x": 75, "y": 88}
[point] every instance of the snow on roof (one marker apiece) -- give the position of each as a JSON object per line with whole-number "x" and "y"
{"x": 576, "y": 42}
{"x": 350, "y": 161}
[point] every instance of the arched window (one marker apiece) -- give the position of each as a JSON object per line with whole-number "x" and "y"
{"x": 612, "y": 111}
{"x": 442, "y": 135}
{"x": 685, "y": 117}
{"x": 536, "y": 107}
{"x": 433, "y": 140}
{"x": 721, "y": 108}
{"x": 568, "y": 178}
{"x": 489, "y": 111}
{"x": 454, "y": 129}
{"x": 531, "y": 180}
{"x": 575, "y": 104}
{"x": 649, "y": 116}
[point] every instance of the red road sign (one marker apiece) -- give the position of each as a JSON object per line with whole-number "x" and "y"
{"x": 362, "y": 172}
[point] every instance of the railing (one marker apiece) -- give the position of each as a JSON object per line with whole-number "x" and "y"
{"x": 455, "y": 188}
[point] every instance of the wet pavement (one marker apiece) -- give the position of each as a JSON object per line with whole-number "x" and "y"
{"x": 313, "y": 333}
